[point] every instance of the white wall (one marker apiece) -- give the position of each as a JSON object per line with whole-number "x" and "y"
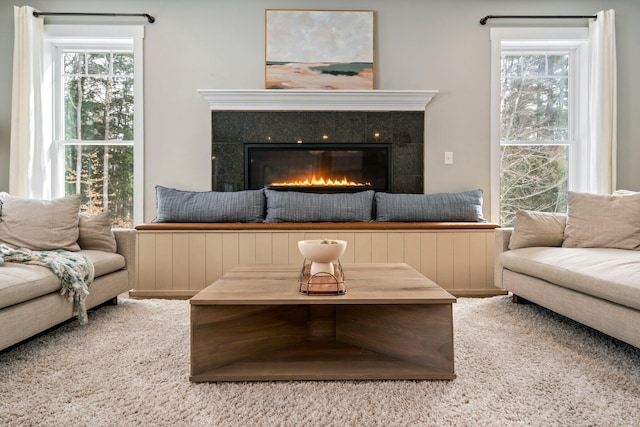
{"x": 421, "y": 44}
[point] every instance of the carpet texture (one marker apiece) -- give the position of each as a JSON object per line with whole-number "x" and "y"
{"x": 517, "y": 365}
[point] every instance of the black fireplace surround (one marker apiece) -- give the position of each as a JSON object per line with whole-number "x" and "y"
{"x": 349, "y": 139}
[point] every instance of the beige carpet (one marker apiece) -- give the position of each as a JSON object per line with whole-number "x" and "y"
{"x": 516, "y": 365}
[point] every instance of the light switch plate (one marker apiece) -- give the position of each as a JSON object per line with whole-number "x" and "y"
{"x": 448, "y": 157}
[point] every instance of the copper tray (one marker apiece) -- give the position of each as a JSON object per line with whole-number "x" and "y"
{"x": 322, "y": 283}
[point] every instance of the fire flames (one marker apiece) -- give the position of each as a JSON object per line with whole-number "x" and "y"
{"x": 321, "y": 182}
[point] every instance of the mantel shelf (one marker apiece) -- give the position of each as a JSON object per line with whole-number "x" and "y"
{"x": 317, "y": 100}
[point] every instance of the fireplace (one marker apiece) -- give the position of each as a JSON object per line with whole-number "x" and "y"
{"x": 318, "y": 167}
{"x": 342, "y": 124}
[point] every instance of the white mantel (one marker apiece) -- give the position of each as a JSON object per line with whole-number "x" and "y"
{"x": 316, "y": 100}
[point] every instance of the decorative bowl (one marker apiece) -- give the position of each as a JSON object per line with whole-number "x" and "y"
{"x": 322, "y": 253}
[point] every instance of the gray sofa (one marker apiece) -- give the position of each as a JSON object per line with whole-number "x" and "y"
{"x": 30, "y": 298}
{"x": 596, "y": 286}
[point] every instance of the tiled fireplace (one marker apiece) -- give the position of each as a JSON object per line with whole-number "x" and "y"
{"x": 304, "y": 140}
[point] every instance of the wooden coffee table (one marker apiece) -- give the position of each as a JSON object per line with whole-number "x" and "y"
{"x": 253, "y": 325}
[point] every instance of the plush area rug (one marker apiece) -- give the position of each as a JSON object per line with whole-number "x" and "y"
{"x": 517, "y": 365}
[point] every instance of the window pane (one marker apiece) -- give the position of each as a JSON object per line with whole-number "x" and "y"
{"x": 535, "y": 98}
{"x": 511, "y": 65}
{"x": 98, "y": 108}
{"x": 121, "y": 108}
{"x": 532, "y": 177}
{"x": 534, "y": 65}
{"x": 73, "y": 62}
{"x": 123, "y": 64}
{"x": 558, "y": 65}
{"x": 535, "y": 109}
{"x": 103, "y": 175}
{"x": 98, "y": 63}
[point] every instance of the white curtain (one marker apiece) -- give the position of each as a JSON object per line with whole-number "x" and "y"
{"x": 602, "y": 104}
{"x": 30, "y": 161}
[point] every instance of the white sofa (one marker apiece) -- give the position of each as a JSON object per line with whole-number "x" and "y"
{"x": 596, "y": 286}
{"x": 30, "y": 299}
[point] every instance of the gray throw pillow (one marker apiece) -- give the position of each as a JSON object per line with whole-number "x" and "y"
{"x": 95, "y": 232}
{"x": 40, "y": 225}
{"x": 209, "y": 206}
{"x": 455, "y": 207}
{"x": 293, "y": 206}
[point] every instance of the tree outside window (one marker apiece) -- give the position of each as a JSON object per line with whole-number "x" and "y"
{"x": 534, "y": 133}
{"x": 98, "y": 98}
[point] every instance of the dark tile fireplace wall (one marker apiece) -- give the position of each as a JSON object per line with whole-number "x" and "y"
{"x": 403, "y": 129}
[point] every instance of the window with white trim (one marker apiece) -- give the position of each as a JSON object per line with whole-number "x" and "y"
{"x": 539, "y": 125}
{"x": 97, "y": 117}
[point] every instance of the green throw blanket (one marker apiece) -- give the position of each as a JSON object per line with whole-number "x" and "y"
{"x": 74, "y": 270}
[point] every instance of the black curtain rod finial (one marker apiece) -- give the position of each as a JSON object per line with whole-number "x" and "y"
{"x": 150, "y": 18}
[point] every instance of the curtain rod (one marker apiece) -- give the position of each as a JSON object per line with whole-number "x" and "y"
{"x": 150, "y": 18}
{"x": 484, "y": 20}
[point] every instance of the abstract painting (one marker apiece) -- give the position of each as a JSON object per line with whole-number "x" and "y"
{"x": 319, "y": 49}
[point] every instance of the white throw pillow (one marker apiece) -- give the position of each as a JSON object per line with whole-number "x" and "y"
{"x": 603, "y": 221}
{"x": 537, "y": 229}
{"x": 40, "y": 224}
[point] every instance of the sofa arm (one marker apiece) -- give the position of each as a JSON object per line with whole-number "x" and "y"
{"x": 502, "y": 236}
{"x": 126, "y": 242}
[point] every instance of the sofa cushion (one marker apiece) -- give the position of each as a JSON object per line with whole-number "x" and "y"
{"x": 537, "y": 229}
{"x": 610, "y": 274}
{"x": 94, "y": 232}
{"x": 209, "y": 206}
{"x": 22, "y": 282}
{"x": 293, "y": 206}
{"x": 104, "y": 262}
{"x": 602, "y": 221}
{"x": 463, "y": 206}
{"x": 40, "y": 224}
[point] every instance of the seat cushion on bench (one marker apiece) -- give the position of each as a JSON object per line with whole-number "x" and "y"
{"x": 22, "y": 282}
{"x": 609, "y": 274}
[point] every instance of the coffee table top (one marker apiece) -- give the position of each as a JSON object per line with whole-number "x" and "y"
{"x": 377, "y": 283}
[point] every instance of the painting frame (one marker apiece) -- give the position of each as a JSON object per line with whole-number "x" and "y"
{"x": 319, "y": 49}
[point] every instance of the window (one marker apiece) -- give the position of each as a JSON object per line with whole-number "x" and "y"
{"x": 97, "y": 118}
{"x": 539, "y": 143}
